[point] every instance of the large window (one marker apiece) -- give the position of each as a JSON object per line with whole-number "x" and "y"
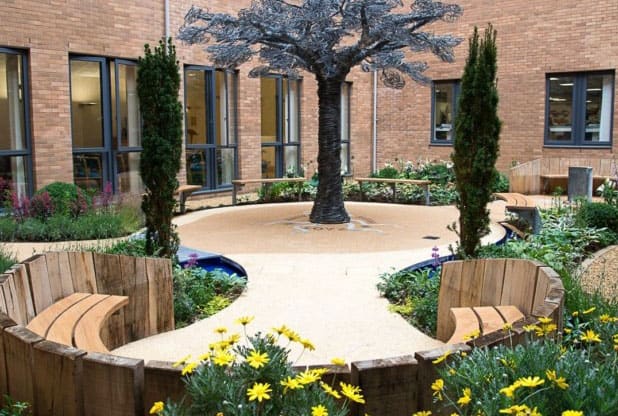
{"x": 579, "y": 109}
{"x": 210, "y": 127}
{"x": 444, "y": 110}
{"x": 346, "y": 90}
{"x": 106, "y": 124}
{"x": 280, "y": 134}
{"x": 14, "y": 121}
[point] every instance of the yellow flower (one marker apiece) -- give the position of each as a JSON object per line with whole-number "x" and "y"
{"x": 590, "y": 336}
{"x": 530, "y": 381}
{"x": 576, "y": 313}
{"x": 245, "y": 320}
{"x": 423, "y": 413}
{"x": 291, "y": 384}
{"x": 319, "y": 410}
{"x": 204, "y": 357}
{"x": 157, "y": 408}
{"x": 572, "y": 413}
{"x": 531, "y": 328}
{"x": 219, "y": 414}
{"x": 466, "y": 398}
{"x": 545, "y": 320}
{"x": 338, "y": 362}
{"x": 329, "y": 390}
{"x": 257, "y": 360}
{"x": 292, "y": 335}
{"x": 452, "y": 371}
{"x": 223, "y": 358}
{"x": 307, "y": 377}
{"x": 232, "y": 339}
{"x": 307, "y": 344}
{"x": 442, "y": 357}
{"x": 516, "y": 409}
{"x": 472, "y": 335}
{"x": 189, "y": 368}
{"x": 587, "y": 311}
{"x": 352, "y": 392}
{"x": 220, "y": 330}
{"x": 259, "y": 392}
{"x": 437, "y": 387}
{"x": 507, "y": 326}
{"x": 181, "y": 361}
{"x": 605, "y": 318}
{"x": 319, "y": 372}
{"x": 560, "y": 382}
{"x": 510, "y": 390}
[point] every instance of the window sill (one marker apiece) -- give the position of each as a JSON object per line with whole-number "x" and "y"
{"x": 441, "y": 144}
{"x": 577, "y": 146}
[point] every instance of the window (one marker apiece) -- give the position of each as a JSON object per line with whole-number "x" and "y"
{"x": 105, "y": 124}
{"x": 280, "y": 134}
{"x": 14, "y": 121}
{"x": 579, "y": 109}
{"x": 210, "y": 127}
{"x": 346, "y": 89}
{"x": 444, "y": 110}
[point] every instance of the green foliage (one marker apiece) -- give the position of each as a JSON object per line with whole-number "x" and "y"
{"x": 7, "y": 259}
{"x": 66, "y": 197}
{"x": 222, "y": 383}
{"x": 501, "y": 183}
{"x": 414, "y": 295}
{"x": 199, "y": 293}
{"x": 158, "y": 84}
{"x": 477, "y": 131}
{"x": 598, "y": 215}
{"x": 388, "y": 171}
{"x": 608, "y": 190}
{"x": 585, "y": 378}
{"x": 131, "y": 247}
{"x": 13, "y": 408}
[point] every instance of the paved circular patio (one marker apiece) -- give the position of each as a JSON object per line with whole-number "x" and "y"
{"x": 319, "y": 280}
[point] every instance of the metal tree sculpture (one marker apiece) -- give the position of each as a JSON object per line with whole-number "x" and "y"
{"x": 326, "y": 38}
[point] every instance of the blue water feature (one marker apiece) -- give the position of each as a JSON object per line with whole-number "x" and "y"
{"x": 210, "y": 261}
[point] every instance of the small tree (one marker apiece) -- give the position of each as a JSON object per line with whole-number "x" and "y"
{"x": 477, "y": 130}
{"x": 326, "y": 38}
{"x": 158, "y": 83}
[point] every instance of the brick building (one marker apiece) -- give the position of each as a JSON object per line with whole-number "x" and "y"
{"x": 69, "y": 111}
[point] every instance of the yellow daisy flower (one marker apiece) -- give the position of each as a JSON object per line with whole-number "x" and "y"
{"x": 189, "y": 368}
{"x": 530, "y": 381}
{"x": 588, "y": 311}
{"x": 590, "y": 336}
{"x": 572, "y": 413}
{"x": 466, "y": 398}
{"x": 338, "y": 362}
{"x": 291, "y": 384}
{"x": 223, "y": 358}
{"x": 437, "y": 387}
{"x": 307, "y": 344}
{"x": 257, "y": 359}
{"x": 329, "y": 390}
{"x": 182, "y": 361}
{"x": 442, "y": 357}
{"x": 319, "y": 410}
{"x": 352, "y": 392}
{"x": 422, "y": 413}
{"x": 220, "y": 330}
{"x": 157, "y": 408}
{"x": 259, "y": 392}
{"x": 245, "y": 320}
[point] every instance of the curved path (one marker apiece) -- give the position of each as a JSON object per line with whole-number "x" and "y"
{"x": 318, "y": 280}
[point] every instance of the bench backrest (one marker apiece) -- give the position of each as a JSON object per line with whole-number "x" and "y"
{"x": 525, "y": 178}
{"x": 534, "y": 288}
{"x": 33, "y": 285}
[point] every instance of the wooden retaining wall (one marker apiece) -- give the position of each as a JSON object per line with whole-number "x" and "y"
{"x": 62, "y": 380}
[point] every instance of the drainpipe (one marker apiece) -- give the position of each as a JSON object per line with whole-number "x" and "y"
{"x": 374, "y": 141}
{"x": 167, "y": 19}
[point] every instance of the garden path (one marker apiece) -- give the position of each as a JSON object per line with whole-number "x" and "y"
{"x": 318, "y": 280}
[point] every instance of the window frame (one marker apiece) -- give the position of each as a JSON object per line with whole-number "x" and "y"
{"x": 26, "y": 153}
{"x": 454, "y": 104}
{"x": 210, "y": 148}
{"x": 578, "y": 111}
{"x": 282, "y": 142}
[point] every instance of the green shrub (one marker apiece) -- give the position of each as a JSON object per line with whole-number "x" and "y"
{"x": 388, "y": 172}
{"x": 501, "y": 183}
{"x": 13, "y": 408}
{"x": 256, "y": 377}
{"x": 579, "y": 373}
{"x": 414, "y": 295}
{"x": 65, "y": 197}
{"x": 598, "y": 215}
{"x": 7, "y": 259}
{"x": 196, "y": 291}
{"x": 131, "y": 247}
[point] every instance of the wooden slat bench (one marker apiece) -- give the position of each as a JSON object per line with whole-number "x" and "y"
{"x": 525, "y": 207}
{"x": 237, "y": 184}
{"x": 484, "y": 319}
{"x": 77, "y": 320}
{"x": 393, "y": 183}
{"x": 184, "y": 192}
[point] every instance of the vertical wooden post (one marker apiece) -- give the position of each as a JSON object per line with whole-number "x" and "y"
{"x": 5, "y": 322}
{"x": 18, "y": 350}
{"x": 162, "y": 382}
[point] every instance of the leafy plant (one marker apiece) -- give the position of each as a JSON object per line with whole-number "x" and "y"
{"x": 158, "y": 83}
{"x": 256, "y": 377}
{"x": 13, "y": 408}
{"x": 477, "y": 132}
{"x": 66, "y": 198}
{"x": 598, "y": 215}
{"x": 7, "y": 259}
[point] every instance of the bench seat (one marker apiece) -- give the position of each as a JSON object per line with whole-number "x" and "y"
{"x": 184, "y": 192}
{"x": 525, "y": 207}
{"x": 482, "y": 320}
{"x": 77, "y": 320}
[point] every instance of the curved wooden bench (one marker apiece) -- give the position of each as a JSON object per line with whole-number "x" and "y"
{"x": 515, "y": 288}
{"x": 77, "y": 320}
{"x": 525, "y": 207}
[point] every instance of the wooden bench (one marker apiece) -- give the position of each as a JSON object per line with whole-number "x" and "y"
{"x": 237, "y": 184}
{"x": 393, "y": 183}
{"x": 525, "y": 207}
{"x": 184, "y": 192}
{"x": 483, "y": 294}
{"x": 481, "y": 320}
{"x": 77, "y": 320}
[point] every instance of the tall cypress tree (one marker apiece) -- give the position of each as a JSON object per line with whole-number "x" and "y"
{"x": 158, "y": 84}
{"x": 476, "y": 147}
